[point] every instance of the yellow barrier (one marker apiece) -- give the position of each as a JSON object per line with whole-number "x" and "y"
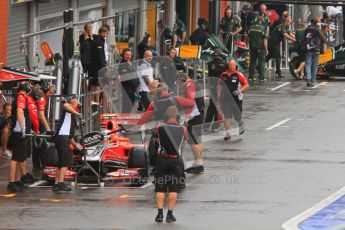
{"x": 326, "y": 57}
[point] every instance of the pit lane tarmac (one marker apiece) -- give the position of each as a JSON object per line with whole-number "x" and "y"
{"x": 275, "y": 171}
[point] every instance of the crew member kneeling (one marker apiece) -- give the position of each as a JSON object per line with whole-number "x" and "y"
{"x": 169, "y": 165}
{"x": 64, "y": 136}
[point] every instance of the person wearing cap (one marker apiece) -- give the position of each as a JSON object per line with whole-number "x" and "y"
{"x": 21, "y": 126}
{"x": 63, "y": 139}
{"x": 169, "y": 165}
{"x": 215, "y": 69}
{"x": 258, "y": 49}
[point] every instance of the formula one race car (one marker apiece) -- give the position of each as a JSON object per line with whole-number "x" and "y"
{"x": 108, "y": 156}
{"x": 331, "y": 63}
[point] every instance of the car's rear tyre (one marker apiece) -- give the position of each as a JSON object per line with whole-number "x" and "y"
{"x": 138, "y": 158}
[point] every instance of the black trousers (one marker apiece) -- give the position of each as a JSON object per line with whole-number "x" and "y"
{"x": 212, "y": 115}
{"x": 128, "y": 98}
{"x": 144, "y": 101}
{"x": 274, "y": 52}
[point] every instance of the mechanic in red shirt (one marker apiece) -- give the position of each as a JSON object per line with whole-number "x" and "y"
{"x": 230, "y": 90}
{"x": 21, "y": 125}
{"x": 33, "y": 110}
{"x": 42, "y": 105}
{"x": 158, "y": 107}
{"x": 42, "y": 102}
{"x": 157, "y": 111}
{"x": 169, "y": 166}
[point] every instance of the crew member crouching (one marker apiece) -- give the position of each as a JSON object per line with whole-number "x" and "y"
{"x": 169, "y": 164}
{"x": 63, "y": 138}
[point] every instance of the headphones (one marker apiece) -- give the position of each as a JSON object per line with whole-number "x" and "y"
{"x": 46, "y": 86}
{"x": 24, "y": 86}
{"x": 169, "y": 50}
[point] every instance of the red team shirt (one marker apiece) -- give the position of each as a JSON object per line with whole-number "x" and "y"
{"x": 33, "y": 112}
{"x": 42, "y": 103}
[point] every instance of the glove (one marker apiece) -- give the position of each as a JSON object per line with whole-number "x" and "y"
{"x": 137, "y": 97}
{"x": 236, "y": 93}
{"x": 23, "y": 133}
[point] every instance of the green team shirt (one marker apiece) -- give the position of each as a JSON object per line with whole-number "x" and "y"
{"x": 180, "y": 27}
{"x": 230, "y": 24}
{"x": 168, "y": 33}
{"x": 257, "y": 34}
{"x": 277, "y": 35}
{"x": 300, "y": 35}
{"x": 265, "y": 23}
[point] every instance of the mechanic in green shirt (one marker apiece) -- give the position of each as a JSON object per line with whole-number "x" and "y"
{"x": 274, "y": 42}
{"x": 258, "y": 48}
{"x": 266, "y": 20}
{"x": 181, "y": 30}
{"x": 230, "y": 26}
{"x": 166, "y": 33}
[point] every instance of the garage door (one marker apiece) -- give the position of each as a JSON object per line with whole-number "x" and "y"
{"x": 17, "y": 25}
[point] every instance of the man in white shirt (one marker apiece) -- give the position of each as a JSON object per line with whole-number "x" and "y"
{"x": 145, "y": 75}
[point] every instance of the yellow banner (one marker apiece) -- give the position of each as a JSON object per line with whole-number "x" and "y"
{"x": 189, "y": 51}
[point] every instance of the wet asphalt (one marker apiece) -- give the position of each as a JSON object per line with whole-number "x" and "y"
{"x": 258, "y": 181}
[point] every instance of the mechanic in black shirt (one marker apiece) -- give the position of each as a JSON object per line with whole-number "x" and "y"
{"x": 169, "y": 165}
{"x": 168, "y": 69}
{"x": 129, "y": 81}
{"x": 63, "y": 138}
{"x": 215, "y": 69}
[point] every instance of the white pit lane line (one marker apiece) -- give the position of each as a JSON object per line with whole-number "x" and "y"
{"x": 37, "y": 184}
{"x": 280, "y": 86}
{"x": 318, "y": 85}
{"x": 279, "y": 124}
{"x": 293, "y": 223}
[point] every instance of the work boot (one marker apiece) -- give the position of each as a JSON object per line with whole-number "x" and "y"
{"x": 63, "y": 187}
{"x": 27, "y": 179}
{"x": 195, "y": 169}
{"x": 227, "y": 137}
{"x": 13, "y": 187}
{"x": 55, "y": 188}
{"x": 20, "y": 185}
{"x": 241, "y": 129}
{"x": 170, "y": 218}
{"x": 159, "y": 217}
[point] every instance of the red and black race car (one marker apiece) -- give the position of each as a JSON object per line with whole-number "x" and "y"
{"x": 108, "y": 155}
